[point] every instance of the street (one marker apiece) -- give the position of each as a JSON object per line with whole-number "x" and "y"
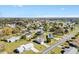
{"x": 64, "y": 39}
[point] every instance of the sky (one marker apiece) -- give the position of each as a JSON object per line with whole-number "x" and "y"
{"x": 38, "y": 10}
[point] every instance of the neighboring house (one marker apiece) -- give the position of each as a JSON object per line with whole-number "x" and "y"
{"x": 71, "y": 50}
{"x": 40, "y": 40}
{"x": 28, "y": 46}
{"x": 76, "y": 42}
{"x": 11, "y": 25}
{"x": 13, "y": 39}
{"x": 41, "y": 28}
{"x": 23, "y": 48}
{"x": 29, "y": 35}
{"x": 19, "y": 49}
{"x": 32, "y": 31}
{"x": 26, "y": 35}
{"x": 24, "y": 31}
{"x": 58, "y": 31}
{"x": 39, "y": 32}
{"x": 50, "y": 36}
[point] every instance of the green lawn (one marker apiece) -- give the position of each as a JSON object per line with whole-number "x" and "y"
{"x": 56, "y": 50}
{"x": 28, "y": 52}
{"x": 9, "y": 47}
{"x": 39, "y": 47}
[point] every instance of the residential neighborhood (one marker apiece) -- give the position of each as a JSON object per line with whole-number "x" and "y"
{"x": 39, "y": 35}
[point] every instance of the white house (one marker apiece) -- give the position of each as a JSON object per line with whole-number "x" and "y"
{"x": 40, "y": 40}
{"x": 39, "y": 31}
{"x": 29, "y": 35}
{"x": 28, "y": 46}
{"x": 23, "y": 48}
{"x": 13, "y": 39}
{"x": 19, "y": 49}
{"x": 71, "y": 50}
{"x": 11, "y": 25}
{"x": 41, "y": 28}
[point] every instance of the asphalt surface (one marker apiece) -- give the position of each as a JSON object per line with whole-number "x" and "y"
{"x": 64, "y": 39}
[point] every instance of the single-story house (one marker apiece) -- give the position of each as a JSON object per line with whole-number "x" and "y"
{"x": 13, "y": 39}
{"x": 23, "y": 48}
{"x": 39, "y": 32}
{"x": 50, "y": 36}
{"x": 28, "y": 46}
{"x": 76, "y": 42}
{"x": 71, "y": 50}
{"x": 19, "y": 49}
{"x": 11, "y": 25}
{"x": 41, "y": 28}
{"x": 29, "y": 35}
{"x": 39, "y": 40}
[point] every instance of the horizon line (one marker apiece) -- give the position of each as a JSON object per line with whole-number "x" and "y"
{"x": 39, "y": 16}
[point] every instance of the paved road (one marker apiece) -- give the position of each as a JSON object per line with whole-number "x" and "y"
{"x": 65, "y": 38}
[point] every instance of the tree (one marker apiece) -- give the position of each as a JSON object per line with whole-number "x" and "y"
{"x": 66, "y": 31}
{"x": 48, "y": 40}
{"x": 23, "y": 37}
{"x": 46, "y": 27}
{"x": 7, "y": 31}
{"x": 54, "y": 24}
{"x": 16, "y": 30}
{"x": 34, "y": 26}
{"x": 61, "y": 24}
{"x": 71, "y": 28}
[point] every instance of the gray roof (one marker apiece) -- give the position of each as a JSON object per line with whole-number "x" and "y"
{"x": 13, "y": 39}
{"x": 71, "y": 50}
{"x": 25, "y": 47}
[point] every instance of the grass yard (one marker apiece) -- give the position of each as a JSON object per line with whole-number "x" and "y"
{"x": 56, "y": 50}
{"x": 65, "y": 44}
{"x": 9, "y": 47}
{"x": 28, "y": 52}
{"x": 39, "y": 47}
{"x": 53, "y": 41}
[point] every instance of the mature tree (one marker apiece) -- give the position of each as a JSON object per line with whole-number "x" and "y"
{"x": 46, "y": 27}
{"x": 61, "y": 24}
{"x": 7, "y": 31}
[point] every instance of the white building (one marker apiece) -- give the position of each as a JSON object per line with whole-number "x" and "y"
{"x": 11, "y": 25}
{"x": 28, "y": 46}
{"x": 13, "y": 39}
{"x": 23, "y": 48}
{"x": 40, "y": 40}
{"x": 19, "y": 49}
{"x": 28, "y": 35}
{"x": 39, "y": 31}
{"x": 71, "y": 50}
